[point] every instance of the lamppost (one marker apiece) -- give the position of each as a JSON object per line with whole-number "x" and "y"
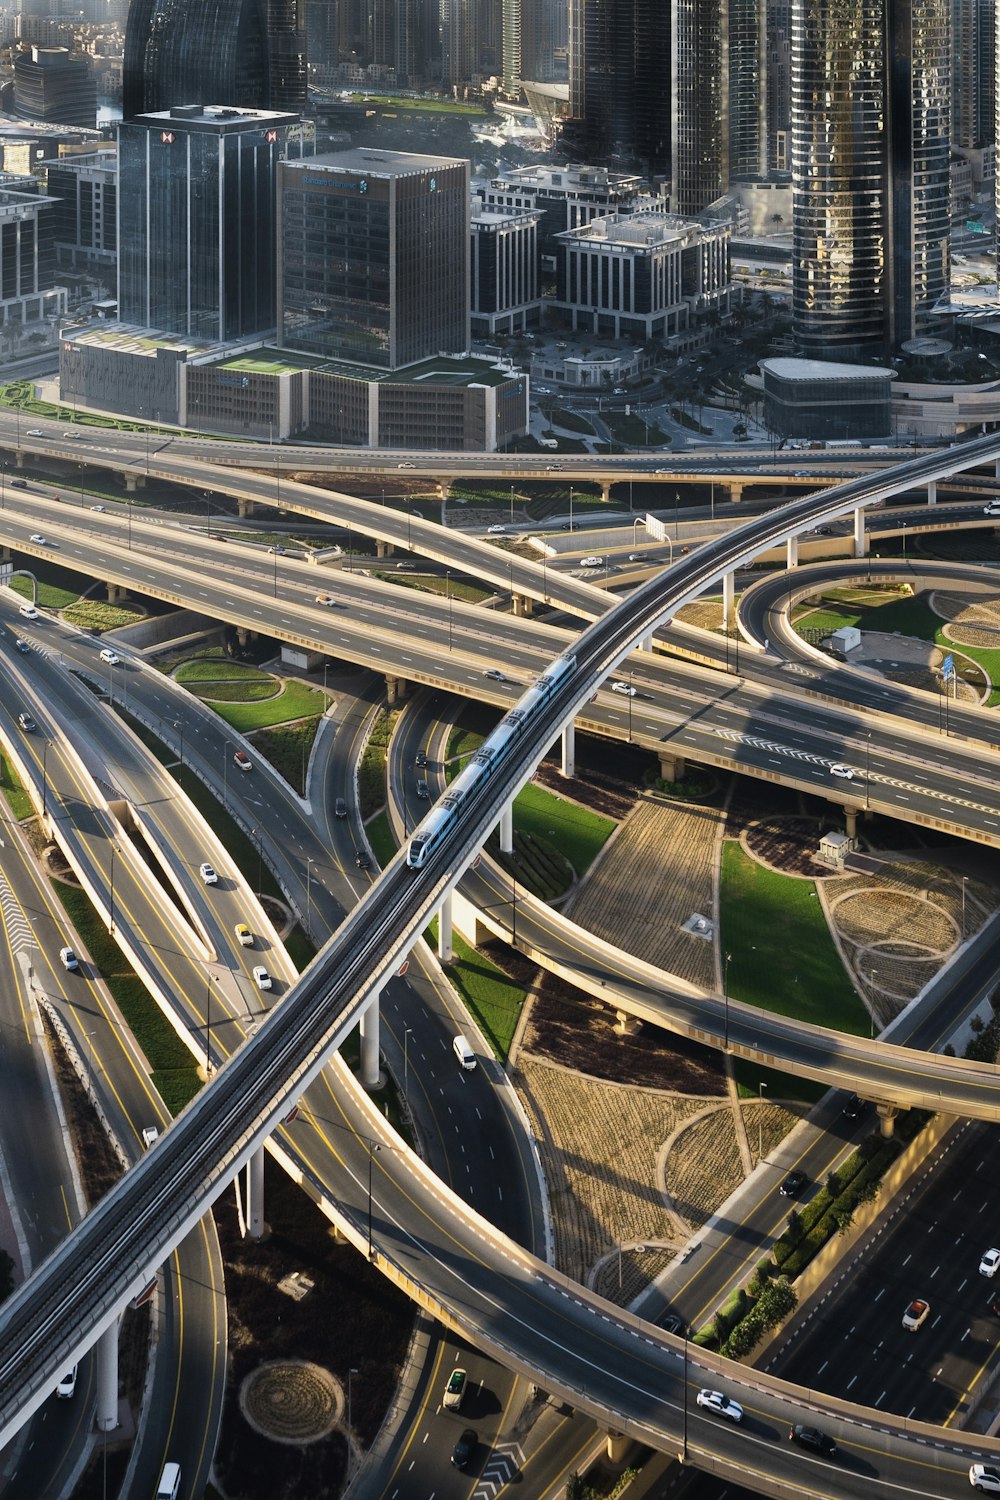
{"x": 868, "y": 756}
{"x": 631, "y": 690}
{"x": 225, "y": 775}
{"x": 683, "y": 1454}
{"x": 571, "y": 507}
{"x": 406, "y": 1054}
{"x": 179, "y": 726}
{"x": 45, "y": 778}
{"x": 512, "y": 505}
{"x": 621, "y": 1236}
{"x": 965, "y": 880}
{"x": 725, "y": 997}
{"x": 309, "y": 871}
{"x": 760, "y": 1121}
{"x": 274, "y": 555}
{"x": 350, "y": 1425}
{"x": 90, "y": 1063}
{"x": 373, "y": 1146}
{"x": 447, "y": 584}
{"x": 208, "y": 1026}
{"x": 112, "y": 928}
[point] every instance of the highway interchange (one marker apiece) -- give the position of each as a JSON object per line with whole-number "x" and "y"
{"x": 672, "y": 606}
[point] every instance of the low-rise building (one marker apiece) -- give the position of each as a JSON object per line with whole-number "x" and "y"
{"x": 28, "y": 289}
{"x": 86, "y": 215}
{"x": 811, "y": 398}
{"x": 504, "y": 269}
{"x": 645, "y": 276}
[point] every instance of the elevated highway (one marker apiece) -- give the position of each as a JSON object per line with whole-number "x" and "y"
{"x": 566, "y": 1340}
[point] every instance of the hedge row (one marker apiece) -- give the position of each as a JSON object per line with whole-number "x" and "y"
{"x": 540, "y": 868}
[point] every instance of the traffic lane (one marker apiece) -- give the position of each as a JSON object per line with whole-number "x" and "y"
{"x": 856, "y": 1346}
{"x": 487, "y": 1410}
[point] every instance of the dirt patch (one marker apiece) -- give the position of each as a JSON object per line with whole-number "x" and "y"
{"x": 788, "y": 844}
{"x": 608, "y": 788}
{"x": 674, "y": 847}
{"x": 572, "y": 1029}
{"x": 291, "y": 1401}
{"x": 599, "y": 1144}
{"x": 704, "y": 1166}
{"x": 353, "y": 1319}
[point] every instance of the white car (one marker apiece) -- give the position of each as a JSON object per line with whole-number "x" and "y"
{"x": 592, "y": 562}
{"x": 262, "y": 978}
{"x": 985, "y": 1478}
{"x": 111, "y": 657}
{"x": 993, "y": 509}
{"x": 35, "y": 432}
{"x": 845, "y": 773}
{"x": 990, "y": 1263}
{"x": 208, "y": 873}
{"x": 150, "y": 1135}
{"x": 721, "y": 1405}
{"x": 69, "y": 960}
{"x": 916, "y": 1314}
{"x": 38, "y": 539}
{"x": 405, "y": 466}
{"x": 98, "y": 508}
{"x": 67, "y": 1386}
{"x": 497, "y": 529}
{"x": 624, "y": 687}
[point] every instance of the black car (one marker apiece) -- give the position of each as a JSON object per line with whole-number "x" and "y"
{"x": 671, "y": 1322}
{"x": 463, "y": 1450}
{"x": 420, "y": 759}
{"x": 362, "y": 859}
{"x": 793, "y": 1184}
{"x": 853, "y": 1107}
{"x": 812, "y": 1438}
{"x": 340, "y": 807}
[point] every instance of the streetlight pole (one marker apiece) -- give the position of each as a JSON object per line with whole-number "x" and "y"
{"x": 45, "y": 778}
{"x": 373, "y": 1146}
{"x": 630, "y": 691}
{"x": 309, "y": 870}
{"x": 447, "y": 582}
{"x": 571, "y": 507}
{"x": 208, "y": 1026}
{"x": 112, "y": 929}
{"x": 868, "y": 757}
{"x": 683, "y": 1455}
{"x": 512, "y": 505}
{"x": 406, "y": 1054}
{"x": 965, "y": 880}
{"x": 725, "y": 996}
{"x": 760, "y": 1121}
{"x": 350, "y": 1425}
{"x": 179, "y": 726}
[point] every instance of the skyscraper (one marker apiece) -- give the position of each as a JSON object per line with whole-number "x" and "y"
{"x": 196, "y": 220}
{"x": 870, "y": 172}
{"x": 245, "y": 53}
{"x": 374, "y": 256}
{"x": 619, "y": 83}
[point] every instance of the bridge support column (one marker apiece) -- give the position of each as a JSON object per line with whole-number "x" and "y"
{"x": 370, "y": 1076}
{"x": 520, "y": 604}
{"x": 395, "y": 688}
{"x": 860, "y": 535}
{"x": 446, "y": 949}
{"x": 115, "y": 592}
{"x": 255, "y": 1195}
{"x": 671, "y": 766}
{"x": 887, "y": 1120}
{"x": 618, "y": 1446}
{"x": 106, "y": 1415}
{"x": 851, "y": 821}
{"x": 728, "y": 598}
{"x": 244, "y": 506}
{"x": 6, "y": 555}
{"x": 507, "y": 829}
{"x": 605, "y": 490}
{"x": 646, "y": 644}
{"x": 382, "y": 547}
{"x": 932, "y": 485}
{"x": 569, "y": 750}
{"x": 19, "y": 456}
{"x": 736, "y": 491}
{"x": 792, "y": 552}
{"x": 626, "y": 1025}
{"x": 134, "y": 482}
{"x": 243, "y": 635}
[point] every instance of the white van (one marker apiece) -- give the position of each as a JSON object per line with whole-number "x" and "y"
{"x": 464, "y": 1053}
{"x": 29, "y": 611}
{"x": 169, "y": 1486}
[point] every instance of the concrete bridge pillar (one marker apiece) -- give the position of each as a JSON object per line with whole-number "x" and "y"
{"x": 792, "y": 552}
{"x": 395, "y": 688}
{"x": 646, "y": 644}
{"x": 244, "y": 506}
{"x": 605, "y": 490}
{"x": 618, "y": 1446}
{"x": 860, "y": 535}
{"x": 887, "y": 1119}
{"x": 569, "y": 750}
{"x": 106, "y": 1415}
{"x": 134, "y": 482}
{"x": 115, "y": 592}
{"x": 736, "y": 491}
{"x": 19, "y": 458}
{"x": 255, "y": 1195}
{"x": 507, "y": 829}
{"x": 382, "y": 547}
{"x": 728, "y": 598}
{"x": 6, "y": 555}
{"x": 446, "y": 949}
{"x": 851, "y": 819}
{"x": 672, "y": 766}
{"x": 932, "y": 485}
{"x": 370, "y": 1075}
{"x": 243, "y": 635}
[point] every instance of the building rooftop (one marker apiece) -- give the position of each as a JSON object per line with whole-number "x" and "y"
{"x": 821, "y": 369}
{"x": 650, "y": 228}
{"x": 572, "y": 176}
{"x": 214, "y": 117}
{"x": 446, "y": 369}
{"x": 376, "y": 163}
{"x": 496, "y": 213}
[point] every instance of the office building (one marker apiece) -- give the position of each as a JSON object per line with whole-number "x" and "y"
{"x": 249, "y": 54}
{"x": 566, "y": 197}
{"x": 504, "y": 269}
{"x": 644, "y": 276}
{"x": 374, "y": 256}
{"x": 197, "y": 220}
{"x": 870, "y": 173}
{"x": 28, "y": 289}
{"x": 86, "y": 213}
{"x": 699, "y": 114}
{"x": 620, "y": 80}
{"x": 55, "y": 86}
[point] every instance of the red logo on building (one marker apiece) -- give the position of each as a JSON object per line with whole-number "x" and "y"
{"x": 271, "y": 137}
{"x": 167, "y": 137}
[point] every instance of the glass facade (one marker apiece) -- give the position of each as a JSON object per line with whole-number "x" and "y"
{"x": 187, "y": 51}
{"x": 374, "y": 257}
{"x": 870, "y": 144}
{"x": 620, "y": 95}
{"x": 196, "y": 222}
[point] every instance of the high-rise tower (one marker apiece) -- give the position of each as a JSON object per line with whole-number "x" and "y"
{"x": 246, "y": 53}
{"x": 871, "y": 103}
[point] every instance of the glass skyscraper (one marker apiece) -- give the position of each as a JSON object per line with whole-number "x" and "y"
{"x": 871, "y": 102}
{"x": 196, "y": 220}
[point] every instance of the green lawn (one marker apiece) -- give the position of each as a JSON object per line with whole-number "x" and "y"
{"x": 490, "y": 994}
{"x": 50, "y": 595}
{"x": 783, "y": 958}
{"x": 248, "y": 698}
{"x": 97, "y": 615}
{"x": 18, "y": 800}
{"x": 568, "y": 421}
{"x": 381, "y": 839}
{"x": 288, "y": 747}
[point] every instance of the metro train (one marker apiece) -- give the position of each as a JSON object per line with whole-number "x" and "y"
{"x": 490, "y": 756}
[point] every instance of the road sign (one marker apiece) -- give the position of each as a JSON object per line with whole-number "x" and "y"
{"x": 948, "y": 668}
{"x": 403, "y": 967}
{"x": 655, "y": 528}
